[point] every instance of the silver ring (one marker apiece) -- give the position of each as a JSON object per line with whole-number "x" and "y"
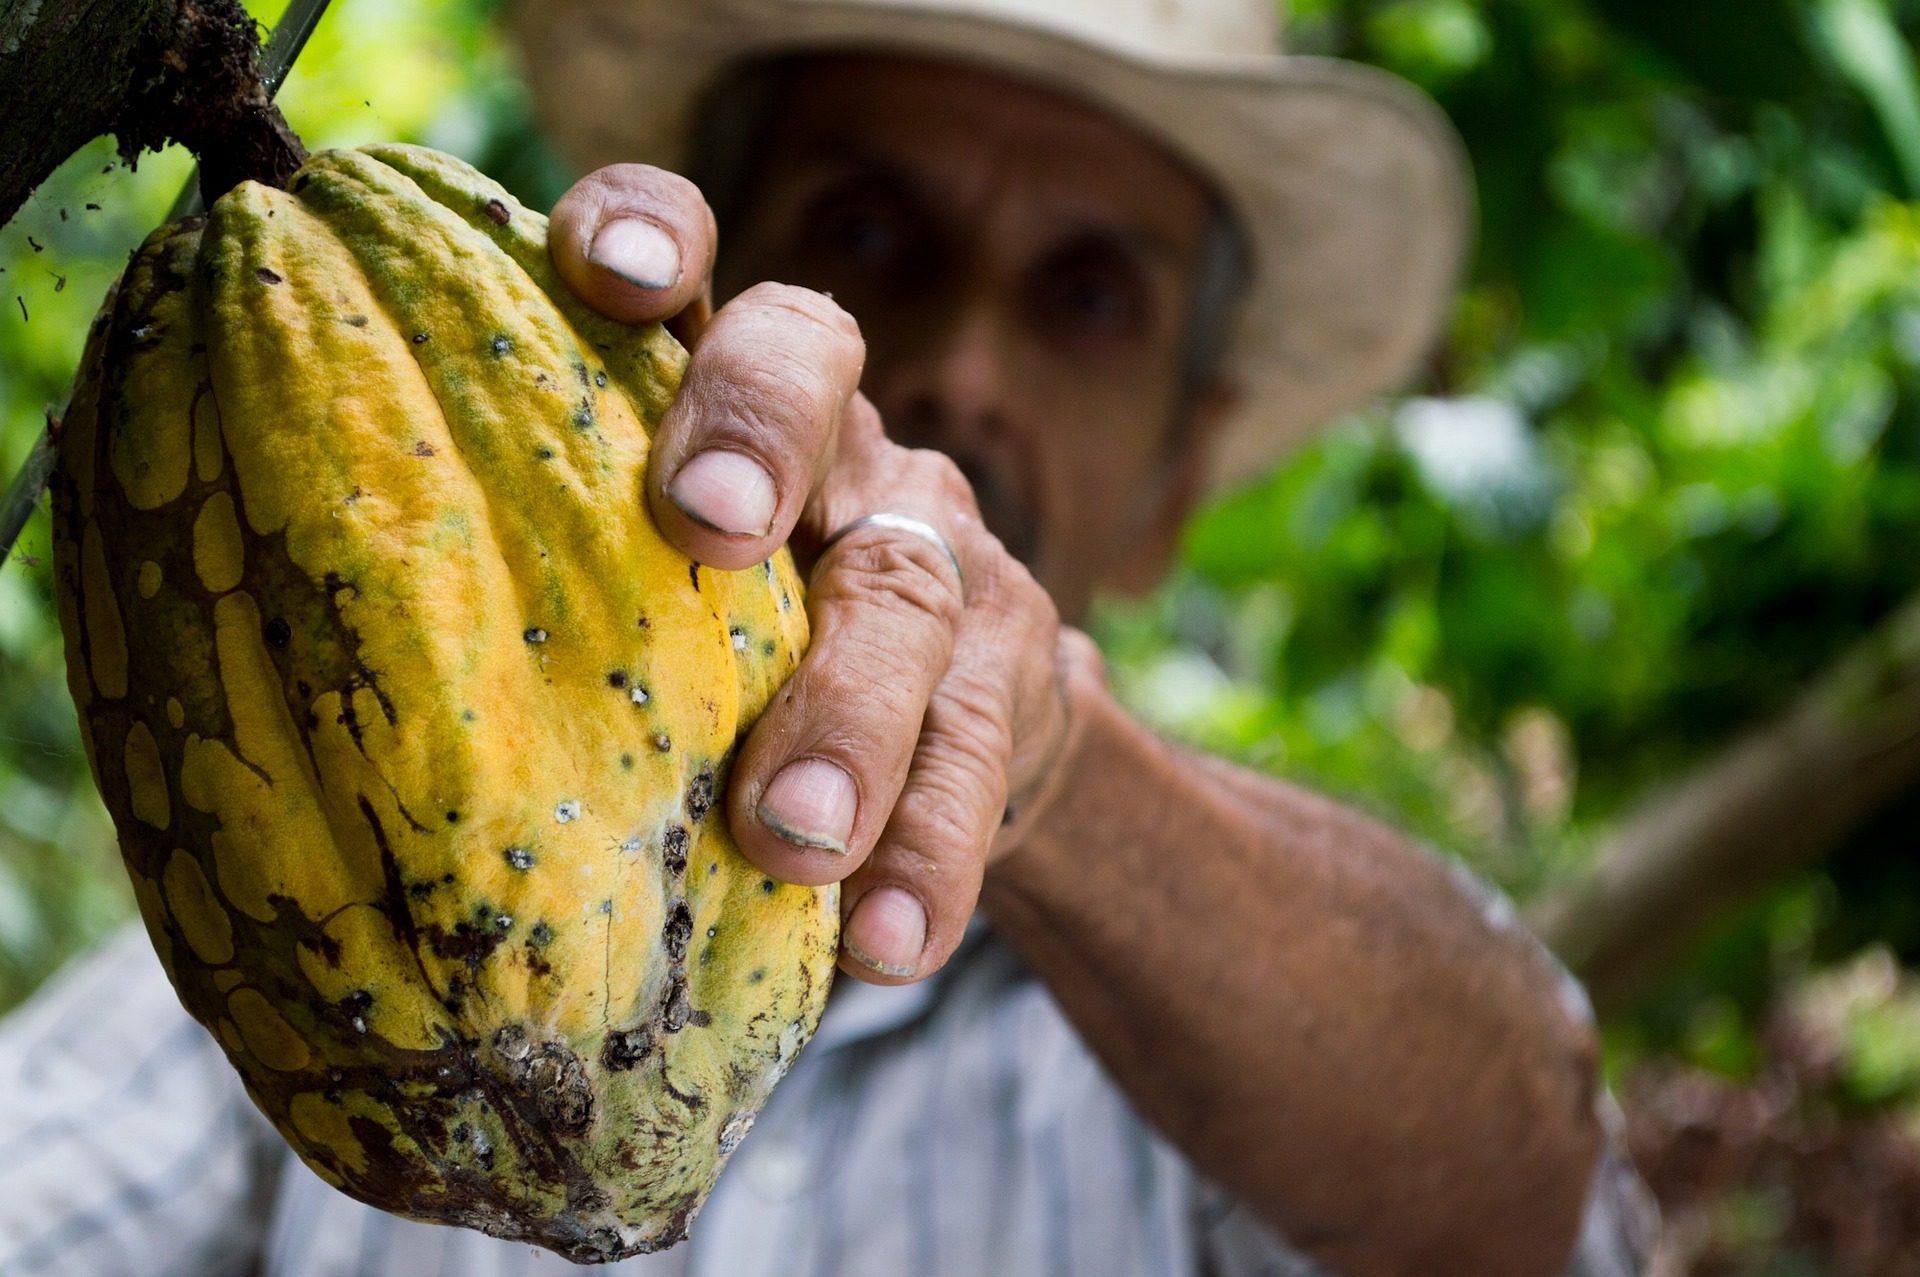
{"x": 897, "y": 523}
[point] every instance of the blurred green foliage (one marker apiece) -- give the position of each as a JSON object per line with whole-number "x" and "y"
{"x": 1666, "y": 467}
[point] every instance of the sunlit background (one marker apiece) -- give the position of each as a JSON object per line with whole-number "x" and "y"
{"x": 1665, "y": 472}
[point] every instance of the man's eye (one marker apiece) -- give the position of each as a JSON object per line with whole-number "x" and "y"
{"x": 858, "y": 231}
{"x": 1090, "y": 294}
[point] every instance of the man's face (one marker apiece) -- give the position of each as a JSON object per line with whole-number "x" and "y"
{"x": 1022, "y": 268}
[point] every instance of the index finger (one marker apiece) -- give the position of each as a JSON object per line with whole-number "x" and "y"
{"x": 634, "y": 242}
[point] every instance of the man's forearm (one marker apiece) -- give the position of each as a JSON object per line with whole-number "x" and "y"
{"x": 1307, "y": 1006}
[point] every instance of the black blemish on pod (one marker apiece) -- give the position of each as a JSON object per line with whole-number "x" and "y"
{"x": 673, "y": 849}
{"x": 700, "y": 795}
{"x": 278, "y": 632}
{"x": 663, "y": 742}
{"x": 626, "y": 761}
{"x": 583, "y": 416}
{"x": 519, "y": 858}
{"x": 678, "y": 931}
{"x": 266, "y": 276}
{"x": 420, "y": 339}
{"x": 624, "y": 1051}
{"x": 540, "y": 936}
{"x": 500, "y": 344}
{"x": 543, "y": 453}
{"x": 535, "y": 635}
{"x": 356, "y": 321}
{"x": 693, "y": 574}
{"x": 617, "y": 679}
{"x": 600, "y": 380}
{"x": 453, "y": 818}
{"x": 497, "y": 213}
{"x": 766, "y": 886}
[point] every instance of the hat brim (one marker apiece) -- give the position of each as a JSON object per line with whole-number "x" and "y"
{"x": 1351, "y": 185}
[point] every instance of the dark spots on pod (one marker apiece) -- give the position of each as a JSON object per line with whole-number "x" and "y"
{"x": 299, "y": 184}
{"x": 421, "y": 339}
{"x": 278, "y": 632}
{"x": 423, "y": 449}
{"x": 766, "y": 568}
{"x": 767, "y": 648}
{"x": 700, "y": 795}
{"x": 356, "y": 321}
{"x": 583, "y": 415}
{"x": 693, "y": 574}
{"x": 645, "y": 624}
{"x": 626, "y": 761}
{"x": 617, "y": 679}
{"x": 420, "y": 890}
{"x": 758, "y": 975}
{"x": 712, "y": 932}
{"x": 706, "y": 957}
{"x": 580, "y": 372}
{"x": 673, "y": 849}
{"x": 540, "y": 935}
{"x": 663, "y": 742}
{"x": 600, "y": 380}
{"x": 766, "y": 886}
{"x": 303, "y": 687}
{"x": 453, "y": 818}
{"x": 549, "y": 1075}
{"x": 678, "y": 930}
{"x": 467, "y": 716}
{"x": 447, "y": 878}
{"x": 544, "y": 453}
{"x": 503, "y": 922}
{"x": 266, "y": 276}
{"x": 625, "y": 1050}
{"x": 675, "y": 1012}
{"x": 713, "y": 869}
{"x": 786, "y": 602}
{"x": 500, "y": 345}
{"x": 699, "y": 1019}
{"x": 535, "y": 635}
{"x": 497, "y": 213}
{"x": 518, "y": 858}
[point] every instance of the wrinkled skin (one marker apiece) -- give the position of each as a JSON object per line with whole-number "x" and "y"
{"x": 1311, "y": 1009}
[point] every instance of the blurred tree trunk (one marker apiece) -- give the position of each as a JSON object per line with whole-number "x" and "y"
{"x": 148, "y": 71}
{"x": 1774, "y": 802}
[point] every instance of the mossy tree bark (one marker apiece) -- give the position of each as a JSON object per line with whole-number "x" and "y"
{"x": 149, "y": 72}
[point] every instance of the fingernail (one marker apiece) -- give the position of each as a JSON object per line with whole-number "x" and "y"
{"x": 887, "y": 932}
{"x": 811, "y": 804}
{"x": 638, "y": 252}
{"x": 727, "y": 491}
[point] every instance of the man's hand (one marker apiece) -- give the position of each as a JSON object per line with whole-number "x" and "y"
{"x": 930, "y": 703}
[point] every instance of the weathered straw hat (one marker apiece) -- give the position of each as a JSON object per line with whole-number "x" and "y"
{"x": 1350, "y": 184}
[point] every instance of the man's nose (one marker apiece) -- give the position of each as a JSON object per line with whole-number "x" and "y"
{"x": 950, "y": 390}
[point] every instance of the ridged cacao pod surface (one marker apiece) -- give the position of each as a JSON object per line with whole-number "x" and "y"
{"x": 412, "y": 724}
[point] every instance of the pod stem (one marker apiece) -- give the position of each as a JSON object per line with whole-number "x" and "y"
{"x": 204, "y": 90}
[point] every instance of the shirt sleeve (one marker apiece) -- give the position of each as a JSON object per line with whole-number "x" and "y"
{"x": 127, "y": 1144}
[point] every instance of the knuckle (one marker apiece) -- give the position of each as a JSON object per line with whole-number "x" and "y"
{"x": 814, "y": 308}
{"x": 896, "y": 574}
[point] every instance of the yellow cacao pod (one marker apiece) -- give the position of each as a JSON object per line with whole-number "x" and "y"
{"x": 411, "y": 723}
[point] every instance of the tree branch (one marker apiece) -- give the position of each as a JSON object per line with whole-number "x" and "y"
{"x": 1777, "y": 801}
{"x": 149, "y": 71}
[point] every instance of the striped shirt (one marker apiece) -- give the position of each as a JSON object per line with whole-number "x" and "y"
{"x": 953, "y": 1128}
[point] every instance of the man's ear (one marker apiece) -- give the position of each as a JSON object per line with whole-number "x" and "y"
{"x": 1144, "y": 556}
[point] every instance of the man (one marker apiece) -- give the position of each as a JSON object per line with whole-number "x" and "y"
{"x": 1112, "y": 1008}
